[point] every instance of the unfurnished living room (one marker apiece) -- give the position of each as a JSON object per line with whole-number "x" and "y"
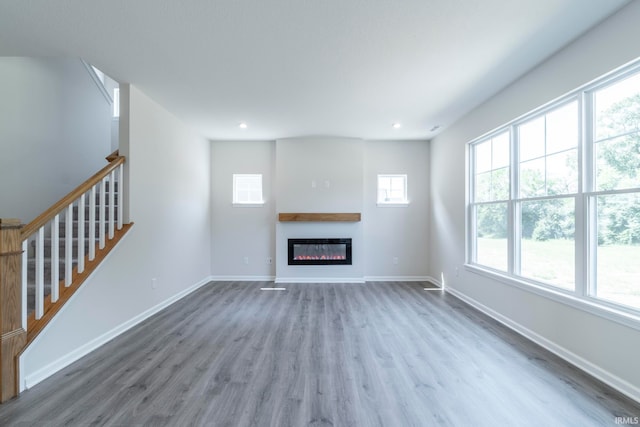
{"x": 320, "y": 213}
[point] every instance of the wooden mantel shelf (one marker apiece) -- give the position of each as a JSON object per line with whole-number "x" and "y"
{"x": 319, "y": 217}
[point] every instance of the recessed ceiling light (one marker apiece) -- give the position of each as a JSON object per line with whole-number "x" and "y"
{"x": 243, "y": 125}
{"x": 396, "y": 125}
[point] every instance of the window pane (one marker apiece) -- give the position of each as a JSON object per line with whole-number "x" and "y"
{"x": 618, "y": 252}
{"x": 491, "y": 235}
{"x": 618, "y": 162}
{"x": 547, "y": 244}
{"x": 532, "y": 139}
{"x": 483, "y": 187}
{"x": 247, "y": 188}
{"x": 617, "y": 108}
{"x": 562, "y": 128}
{"x": 562, "y": 173}
{"x": 500, "y": 151}
{"x": 500, "y": 184}
{"x": 392, "y": 188}
{"x": 483, "y": 156}
{"x": 532, "y": 178}
{"x": 492, "y": 169}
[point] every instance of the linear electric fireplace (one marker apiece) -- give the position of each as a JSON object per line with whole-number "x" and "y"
{"x": 319, "y": 251}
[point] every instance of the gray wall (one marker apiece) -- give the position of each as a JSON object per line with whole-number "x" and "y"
{"x": 55, "y": 132}
{"x": 397, "y": 232}
{"x": 351, "y": 167}
{"x": 608, "y": 349}
{"x": 241, "y": 231}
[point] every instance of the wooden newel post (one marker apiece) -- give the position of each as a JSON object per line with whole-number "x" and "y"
{"x": 13, "y": 337}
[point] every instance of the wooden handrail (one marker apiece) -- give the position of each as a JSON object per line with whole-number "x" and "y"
{"x": 111, "y": 157}
{"x": 48, "y": 215}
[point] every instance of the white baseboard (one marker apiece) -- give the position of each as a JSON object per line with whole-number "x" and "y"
{"x": 61, "y": 363}
{"x": 592, "y": 369}
{"x": 319, "y": 280}
{"x": 435, "y": 281}
{"x": 243, "y": 278}
{"x": 398, "y": 279}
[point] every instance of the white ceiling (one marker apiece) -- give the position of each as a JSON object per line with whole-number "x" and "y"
{"x": 305, "y": 67}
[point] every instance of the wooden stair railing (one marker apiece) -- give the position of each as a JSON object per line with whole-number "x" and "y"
{"x": 84, "y": 232}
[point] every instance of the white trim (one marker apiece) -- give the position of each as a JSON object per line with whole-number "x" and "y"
{"x": 96, "y": 80}
{"x": 399, "y": 279}
{"x": 590, "y": 368}
{"x": 393, "y": 204}
{"x": 248, "y": 205}
{"x": 591, "y": 305}
{"x": 242, "y": 278}
{"x": 319, "y": 280}
{"x": 435, "y": 281}
{"x": 43, "y": 373}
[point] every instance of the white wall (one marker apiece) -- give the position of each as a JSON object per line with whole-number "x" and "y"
{"x": 169, "y": 170}
{"x": 397, "y": 232}
{"x": 237, "y": 231}
{"x": 55, "y": 132}
{"x": 607, "y": 349}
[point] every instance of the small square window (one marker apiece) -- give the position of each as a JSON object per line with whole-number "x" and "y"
{"x": 392, "y": 190}
{"x": 247, "y": 189}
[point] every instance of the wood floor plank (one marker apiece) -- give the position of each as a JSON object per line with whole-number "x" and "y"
{"x": 377, "y": 354}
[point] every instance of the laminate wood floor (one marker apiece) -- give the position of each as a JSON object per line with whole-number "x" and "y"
{"x": 378, "y": 354}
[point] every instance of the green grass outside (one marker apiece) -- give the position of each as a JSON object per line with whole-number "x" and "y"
{"x": 552, "y": 262}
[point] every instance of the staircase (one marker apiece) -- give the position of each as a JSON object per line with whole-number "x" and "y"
{"x": 49, "y": 250}
{"x": 43, "y": 263}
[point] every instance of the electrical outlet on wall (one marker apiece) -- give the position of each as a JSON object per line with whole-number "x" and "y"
{"x": 395, "y": 260}
{"x": 154, "y": 283}
{"x": 269, "y": 260}
{"x": 246, "y": 260}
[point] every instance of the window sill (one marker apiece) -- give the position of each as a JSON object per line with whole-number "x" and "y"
{"x": 392, "y": 205}
{"x": 248, "y": 205}
{"x": 627, "y": 317}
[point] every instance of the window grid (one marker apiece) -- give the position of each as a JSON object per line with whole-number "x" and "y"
{"x": 392, "y": 189}
{"x": 584, "y": 197}
{"x": 247, "y": 189}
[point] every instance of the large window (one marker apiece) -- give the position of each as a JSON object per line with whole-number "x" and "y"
{"x": 545, "y": 206}
{"x": 616, "y": 196}
{"x": 491, "y": 192}
{"x": 555, "y": 195}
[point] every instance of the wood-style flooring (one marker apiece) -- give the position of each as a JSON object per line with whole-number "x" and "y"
{"x": 377, "y": 354}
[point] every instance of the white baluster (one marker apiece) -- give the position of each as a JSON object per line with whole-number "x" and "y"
{"x": 55, "y": 258}
{"x": 40, "y": 273}
{"x": 92, "y": 224}
{"x": 25, "y": 266}
{"x": 81, "y": 205}
{"x": 112, "y": 201}
{"x": 102, "y": 207}
{"x": 68, "y": 246}
{"x": 120, "y": 180}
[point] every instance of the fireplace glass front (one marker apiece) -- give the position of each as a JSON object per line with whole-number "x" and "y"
{"x": 319, "y": 251}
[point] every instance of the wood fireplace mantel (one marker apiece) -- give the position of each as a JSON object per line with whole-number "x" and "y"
{"x": 319, "y": 217}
